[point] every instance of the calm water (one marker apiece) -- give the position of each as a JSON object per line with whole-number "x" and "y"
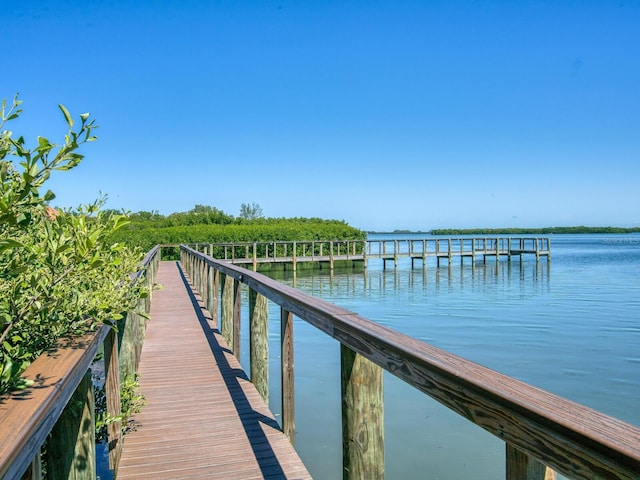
{"x": 571, "y": 327}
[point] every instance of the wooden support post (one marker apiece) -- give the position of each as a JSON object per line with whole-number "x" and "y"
{"x": 331, "y": 255}
{"x": 34, "y": 471}
{"x": 362, "y": 417}
{"x": 548, "y": 249}
{"x": 112, "y": 394}
{"x": 259, "y": 343}
{"x": 295, "y": 258}
{"x": 226, "y": 309}
{"x": 364, "y": 254}
{"x": 473, "y": 252}
{"x": 237, "y": 301}
{"x": 202, "y": 287}
{"x": 286, "y": 356}
{"x": 521, "y": 466}
{"x": 255, "y": 257}
{"x": 71, "y": 449}
{"x": 204, "y": 284}
{"x": 215, "y": 292}
{"x": 396, "y": 247}
{"x": 141, "y": 319}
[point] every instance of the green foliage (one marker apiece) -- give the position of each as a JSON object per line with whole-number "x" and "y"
{"x": 131, "y": 402}
{"x": 61, "y": 274}
{"x": 204, "y": 224}
{"x": 263, "y": 230}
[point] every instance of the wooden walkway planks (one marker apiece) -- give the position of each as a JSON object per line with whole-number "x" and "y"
{"x": 203, "y": 418}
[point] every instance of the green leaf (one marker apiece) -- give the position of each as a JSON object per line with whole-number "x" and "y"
{"x": 6, "y": 243}
{"x": 67, "y": 115}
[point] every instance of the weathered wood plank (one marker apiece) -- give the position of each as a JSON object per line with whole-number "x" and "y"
{"x": 362, "y": 417}
{"x": 112, "y": 392}
{"x": 259, "y": 343}
{"x": 71, "y": 449}
{"x": 287, "y": 375}
{"x": 28, "y": 416}
{"x": 521, "y": 466}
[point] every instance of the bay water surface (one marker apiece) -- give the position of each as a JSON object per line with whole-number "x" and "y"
{"x": 570, "y": 326}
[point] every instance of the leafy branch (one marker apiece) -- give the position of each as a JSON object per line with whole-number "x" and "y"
{"x": 61, "y": 273}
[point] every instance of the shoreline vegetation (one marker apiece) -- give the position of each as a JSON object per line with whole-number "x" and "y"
{"x": 516, "y": 231}
{"x": 206, "y": 224}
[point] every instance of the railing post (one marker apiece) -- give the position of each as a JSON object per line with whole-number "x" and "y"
{"x": 362, "y": 417}
{"x": 140, "y": 330}
{"x": 71, "y": 449}
{"x": 226, "y": 309}
{"x": 34, "y": 472}
{"x": 331, "y": 254}
{"x": 212, "y": 294}
{"x": 259, "y": 343}
{"x": 295, "y": 259}
{"x": 396, "y": 247}
{"x": 286, "y": 355}
{"x": 521, "y": 466}
{"x": 255, "y": 257}
{"x": 364, "y": 254}
{"x": 237, "y": 303}
{"x": 548, "y": 249}
{"x": 112, "y": 394}
{"x": 473, "y": 252}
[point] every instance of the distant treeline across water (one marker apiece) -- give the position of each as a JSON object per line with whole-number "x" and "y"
{"x": 523, "y": 231}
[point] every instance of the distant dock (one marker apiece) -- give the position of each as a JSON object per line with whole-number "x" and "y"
{"x": 334, "y": 253}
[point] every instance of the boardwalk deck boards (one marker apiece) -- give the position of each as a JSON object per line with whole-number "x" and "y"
{"x": 203, "y": 418}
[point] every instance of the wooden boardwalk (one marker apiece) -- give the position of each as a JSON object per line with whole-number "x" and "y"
{"x": 203, "y": 418}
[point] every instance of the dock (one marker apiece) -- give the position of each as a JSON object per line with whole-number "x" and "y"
{"x": 320, "y": 253}
{"x": 202, "y": 418}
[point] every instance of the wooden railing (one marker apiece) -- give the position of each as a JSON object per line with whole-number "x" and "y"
{"x": 331, "y": 251}
{"x": 543, "y": 433}
{"x": 254, "y": 253}
{"x": 60, "y": 404}
{"x": 458, "y": 247}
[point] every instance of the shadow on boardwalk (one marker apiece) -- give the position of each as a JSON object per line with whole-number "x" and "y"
{"x": 250, "y": 418}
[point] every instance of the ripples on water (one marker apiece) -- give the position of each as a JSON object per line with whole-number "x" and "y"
{"x": 571, "y": 326}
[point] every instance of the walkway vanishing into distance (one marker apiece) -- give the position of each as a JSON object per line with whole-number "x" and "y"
{"x": 202, "y": 418}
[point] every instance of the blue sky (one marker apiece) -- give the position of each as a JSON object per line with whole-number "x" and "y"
{"x": 386, "y": 114}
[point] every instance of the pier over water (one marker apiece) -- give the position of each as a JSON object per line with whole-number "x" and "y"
{"x": 340, "y": 252}
{"x": 204, "y": 418}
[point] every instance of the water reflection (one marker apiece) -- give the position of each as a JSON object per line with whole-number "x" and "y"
{"x": 332, "y": 283}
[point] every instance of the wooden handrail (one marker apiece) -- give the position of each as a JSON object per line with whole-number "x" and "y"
{"x": 28, "y": 416}
{"x": 572, "y": 439}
